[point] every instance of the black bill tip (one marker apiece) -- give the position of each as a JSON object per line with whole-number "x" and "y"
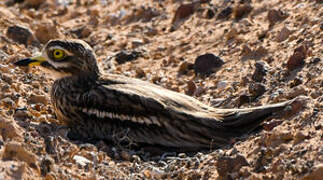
{"x": 24, "y": 62}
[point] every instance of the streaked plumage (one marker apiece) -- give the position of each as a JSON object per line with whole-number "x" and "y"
{"x": 114, "y": 107}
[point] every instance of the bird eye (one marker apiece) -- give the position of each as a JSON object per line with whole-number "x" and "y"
{"x": 58, "y": 54}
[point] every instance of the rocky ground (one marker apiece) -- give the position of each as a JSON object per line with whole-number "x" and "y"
{"x": 225, "y": 53}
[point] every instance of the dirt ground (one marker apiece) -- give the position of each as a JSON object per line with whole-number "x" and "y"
{"x": 229, "y": 54}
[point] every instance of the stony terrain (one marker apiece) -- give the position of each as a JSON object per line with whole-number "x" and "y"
{"x": 229, "y": 54}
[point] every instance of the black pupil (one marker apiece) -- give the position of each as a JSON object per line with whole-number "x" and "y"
{"x": 57, "y": 53}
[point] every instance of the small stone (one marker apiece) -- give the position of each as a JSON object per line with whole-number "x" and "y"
{"x": 314, "y": 61}
{"x": 260, "y": 51}
{"x": 225, "y": 13}
{"x": 221, "y": 85}
{"x": 283, "y": 34}
{"x": 246, "y": 51}
{"x": 231, "y": 34}
{"x": 81, "y": 32}
{"x": 207, "y": 63}
{"x": 182, "y": 13}
{"x": 34, "y": 99}
{"x": 46, "y": 31}
{"x": 297, "y": 81}
{"x": 260, "y": 71}
{"x": 243, "y": 99}
{"x": 10, "y": 129}
{"x": 21, "y": 115}
{"x": 20, "y": 34}
{"x": 199, "y": 91}
{"x": 140, "y": 73}
{"x": 268, "y": 126}
{"x": 315, "y": 94}
{"x": 182, "y": 155}
{"x": 82, "y": 161}
{"x": 229, "y": 164}
{"x": 46, "y": 165}
{"x": 297, "y": 59}
{"x": 241, "y": 10}
{"x": 34, "y": 3}
{"x": 299, "y": 137}
{"x": 191, "y": 88}
{"x": 126, "y": 155}
{"x": 136, "y": 43}
{"x": 296, "y": 91}
{"x": 274, "y": 16}
{"x": 147, "y": 174}
{"x": 16, "y": 151}
{"x": 124, "y": 56}
{"x": 316, "y": 173}
{"x": 6, "y": 78}
{"x": 182, "y": 69}
{"x": 210, "y": 13}
{"x": 257, "y": 89}
{"x": 8, "y": 102}
{"x": 151, "y": 31}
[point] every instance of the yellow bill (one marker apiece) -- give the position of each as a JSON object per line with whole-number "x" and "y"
{"x": 33, "y": 61}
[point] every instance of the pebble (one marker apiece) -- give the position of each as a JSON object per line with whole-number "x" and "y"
{"x": 207, "y": 63}
{"x": 229, "y": 164}
{"x": 299, "y": 137}
{"x": 274, "y": 16}
{"x": 47, "y": 165}
{"x": 283, "y": 34}
{"x": 34, "y": 99}
{"x": 191, "y": 88}
{"x": 257, "y": 89}
{"x": 140, "y": 73}
{"x": 241, "y": 10}
{"x": 243, "y": 99}
{"x": 297, "y": 59}
{"x": 34, "y": 3}
{"x": 316, "y": 173}
{"x": 260, "y": 71}
{"x": 225, "y": 13}
{"x": 82, "y": 161}
{"x": 21, "y": 115}
{"x": 183, "y": 12}
{"x": 17, "y": 151}
{"x": 297, "y": 81}
{"x": 210, "y": 13}
{"x": 221, "y": 85}
{"x": 268, "y": 126}
{"x": 20, "y": 34}
{"x": 45, "y": 32}
{"x": 184, "y": 67}
{"x": 81, "y": 32}
{"x": 125, "y": 56}
{"x": 126, "y": 155}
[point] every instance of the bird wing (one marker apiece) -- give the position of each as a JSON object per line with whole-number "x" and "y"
{"x": 137, "y": 101}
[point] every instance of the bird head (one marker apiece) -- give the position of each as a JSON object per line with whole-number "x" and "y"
{"x": 64, "y": 58}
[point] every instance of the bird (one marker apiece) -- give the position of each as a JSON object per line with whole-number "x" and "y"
{"x": 112, "y": 107}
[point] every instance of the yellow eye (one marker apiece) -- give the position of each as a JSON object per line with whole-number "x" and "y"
{"x": 58, "y": 54}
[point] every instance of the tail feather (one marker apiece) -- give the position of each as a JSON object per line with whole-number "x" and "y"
{"x": 246, "y": 120}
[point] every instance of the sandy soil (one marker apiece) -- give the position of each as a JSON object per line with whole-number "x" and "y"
{"x": 272, "y": 51}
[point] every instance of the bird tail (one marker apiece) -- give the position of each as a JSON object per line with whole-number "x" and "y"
{"x": 245, "y": 120}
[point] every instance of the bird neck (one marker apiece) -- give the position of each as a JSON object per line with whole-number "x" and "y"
{"x": 82, "y": 78}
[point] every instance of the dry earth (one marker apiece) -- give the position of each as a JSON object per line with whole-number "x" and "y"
{"x": 272, "y": 51}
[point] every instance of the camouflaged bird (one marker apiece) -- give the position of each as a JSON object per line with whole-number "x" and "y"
{"x": 103, "y": 106}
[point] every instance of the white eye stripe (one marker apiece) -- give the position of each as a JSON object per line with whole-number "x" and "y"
{"x": 122, "y": 117}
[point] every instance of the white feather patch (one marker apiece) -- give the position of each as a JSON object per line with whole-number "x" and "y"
{"x": 138, "y": 119}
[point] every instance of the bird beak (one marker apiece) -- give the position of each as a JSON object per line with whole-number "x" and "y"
{"x": 33, "y": 61}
